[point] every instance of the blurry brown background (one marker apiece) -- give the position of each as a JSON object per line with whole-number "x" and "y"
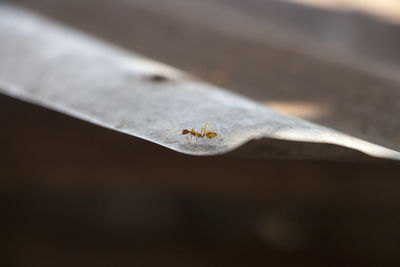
{"x": 74, "y": 194}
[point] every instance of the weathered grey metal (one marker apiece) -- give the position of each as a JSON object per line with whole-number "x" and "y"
{"x": 65, "y": 70}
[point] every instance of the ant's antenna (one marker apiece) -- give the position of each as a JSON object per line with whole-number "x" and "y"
{"x": 180, "y": 128}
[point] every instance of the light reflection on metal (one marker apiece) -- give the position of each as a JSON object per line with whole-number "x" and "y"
{"x": 384, "y": 9}
{"x": 68, "y": 71}
{"x": 301, "y": 109}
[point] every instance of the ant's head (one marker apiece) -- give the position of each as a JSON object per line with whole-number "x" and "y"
{"x": 211, "y": 134}
{"x": 185, "y": 131}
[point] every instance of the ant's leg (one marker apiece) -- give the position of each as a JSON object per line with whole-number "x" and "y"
{"x": 220, "y": 140}
{"x": 205, "y": 127}
{"x": 209, "y": 126}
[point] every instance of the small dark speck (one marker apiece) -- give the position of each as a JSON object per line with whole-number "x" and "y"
{"x": 158, "y": 78}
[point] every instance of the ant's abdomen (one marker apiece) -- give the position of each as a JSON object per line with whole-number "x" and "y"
{"x": 211, "y": 134}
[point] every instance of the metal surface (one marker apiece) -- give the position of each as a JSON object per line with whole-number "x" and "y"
{"x": 65, "y": 70}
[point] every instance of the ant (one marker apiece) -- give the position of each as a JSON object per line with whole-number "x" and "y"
{"x": 203, "y": 133}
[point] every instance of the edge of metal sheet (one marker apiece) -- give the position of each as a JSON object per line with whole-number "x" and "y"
{"x": 68, "y": 71}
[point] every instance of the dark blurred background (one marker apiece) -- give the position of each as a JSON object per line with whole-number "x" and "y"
{"x": 75, "y": 194}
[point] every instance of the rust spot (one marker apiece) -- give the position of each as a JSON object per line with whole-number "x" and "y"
{"x": 158, "y": 78}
